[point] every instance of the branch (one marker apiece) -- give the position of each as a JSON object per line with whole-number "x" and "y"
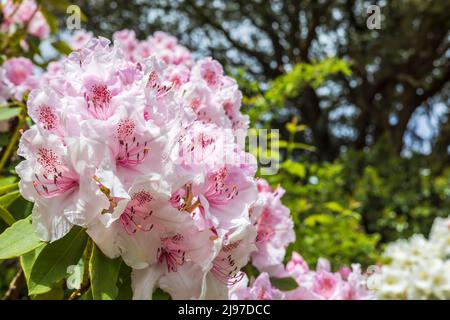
{"x": 15, "y": 287}
{"x": 313, "y": 23}
{"x": 79, "y": 292}
{"x": 349, "y": 4}
{"x": 268, "y": 16}
{"x": 294, "y": 32}
{"x": 416, "y": 101}
{"x": 237, "y": 44}
{"x": 13, "y": 140}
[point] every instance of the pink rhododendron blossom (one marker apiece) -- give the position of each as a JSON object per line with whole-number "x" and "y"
{"x": 261, "y": 289}
{"x": 275, "y": 229}
{"x": 121, "y": 147}
{"x": 25, "y": 14}
{"x": 319, "y": 284}
{"x": 297, "y": 265}
{"x": 138, "y": 143}
{"x": 18, "y": 70}
{"x": 5, "y": 89}
{"x": 53, "y": 176}
{"x": 213, "y": 96}
{"x": 38, "y": 26}
{"x": 79, "y": 39}
{"x": 209, "y": 71}
{"x": 345, "y": 272}
{"x": 54, "y": 69}
{"x": 323, "y": 284}
{"x": 16, "y": 77}
{"x": 84, "y": 104}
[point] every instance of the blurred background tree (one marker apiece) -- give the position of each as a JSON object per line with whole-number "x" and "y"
{"x": 399, "y": 71}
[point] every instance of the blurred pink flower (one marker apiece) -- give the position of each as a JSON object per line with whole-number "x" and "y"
{"x": 26, "y": 14}
{"x": 275, "y": 229}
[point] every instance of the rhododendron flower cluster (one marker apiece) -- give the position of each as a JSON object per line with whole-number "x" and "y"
{"x": 16, "y": 78}
{"x": 137, "y": 143}
{"x": 323, "y": 284}
{"x": 25, "y": 14}
{"x": 417, "y": 268}
{"x": 319, "y": 284}
{"x": 213, "y": 97}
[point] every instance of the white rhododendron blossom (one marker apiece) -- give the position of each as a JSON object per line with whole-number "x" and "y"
{"x": 136, "y": 143}
{"x": 418, "y": 268}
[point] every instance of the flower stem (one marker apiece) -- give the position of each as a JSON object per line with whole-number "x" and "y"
{"x": 13, "y": 141}
{"x": 15, "y": 287}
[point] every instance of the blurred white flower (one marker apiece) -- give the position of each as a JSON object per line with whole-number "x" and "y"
{"x": 418, "y": 268}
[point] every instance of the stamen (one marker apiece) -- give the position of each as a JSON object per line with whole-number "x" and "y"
{"x": 106, "y": 192}
{"x": 132, "y": 150}
{"x": 171, "y": 253}
{"x": 160, "y": 89}
{"x": 55, "y": 178}
{"x": 137, "y": 213}
{"x": 98, "y": 101}
{"x": 47, "y": 118}
{"x": 224, "y": 266}
{"x": 219, "y": 192}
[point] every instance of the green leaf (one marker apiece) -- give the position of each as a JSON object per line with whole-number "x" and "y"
{"x": 9, "y": 198}
{"x": 87, "y": 295}
{"x": 284, "y": 284}
{"x": 20, "y": 208}
{"x": 7, "y": 180}
{"x": 51, "y": 19}
{"x": 124, "y": 283}
{"x": 51, "y": 264}
{"x": 4, "y": 138}
{"x": 58, "y": 5}
{"x": 7, "y": 188}
{"x": 334, "y": 206}
{"x": 160, "y": 295}
{"x": 304, "y": 146}
{"x": 291, "y": 127}
{"x": 56, "y": 293}
{"x": 314, "y": 219}
{"x": 104, "y": 273}
{"x": 18, "y": 239}
{"x": 8, "y": 113}
{"x": 27, "y": 261}
{"x": 33, "y": 43}
{"x": 62, "y": 47}
{"x": 6, "y": 216}
{"x": 295, "y": 168}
